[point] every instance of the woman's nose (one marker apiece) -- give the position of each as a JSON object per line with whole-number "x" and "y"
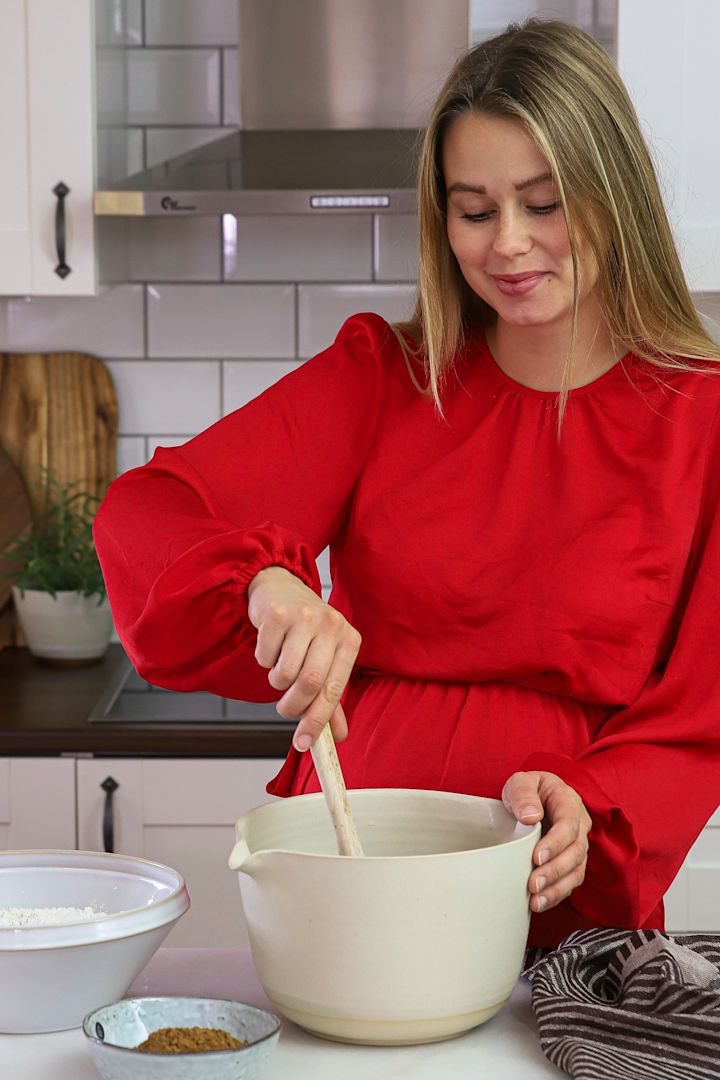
{"x": 511, "y": 236}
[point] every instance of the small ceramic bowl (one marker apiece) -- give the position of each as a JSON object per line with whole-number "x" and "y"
{"x": 115, "y": 1031}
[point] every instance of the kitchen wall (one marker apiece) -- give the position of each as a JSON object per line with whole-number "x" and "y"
{"x": 214, "y": 310}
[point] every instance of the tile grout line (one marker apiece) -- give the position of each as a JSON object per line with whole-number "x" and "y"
{"x": 221, "y": 77}
{"x": 296, "y": 318}
{"x": 145, "y": 317}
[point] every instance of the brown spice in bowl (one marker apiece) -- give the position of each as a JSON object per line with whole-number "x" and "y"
{"x": 191, "y": 1040}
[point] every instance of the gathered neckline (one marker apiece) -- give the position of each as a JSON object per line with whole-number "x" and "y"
{"x": 578, "y": 391}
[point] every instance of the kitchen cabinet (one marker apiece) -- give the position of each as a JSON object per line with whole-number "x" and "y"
{"x": 37, "y": 803}
{"x": 50, "y": 244}
{"x": 179, "y": 812}
{"x": 693, "y": 900}
{"x": 666, "y": 55}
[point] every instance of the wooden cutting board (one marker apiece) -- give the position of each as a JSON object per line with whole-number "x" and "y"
{"x": 57, "y": 411}
{"x": 14, "y": 518}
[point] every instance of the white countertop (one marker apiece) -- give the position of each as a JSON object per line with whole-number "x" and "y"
{"x": 505, "y": 1048}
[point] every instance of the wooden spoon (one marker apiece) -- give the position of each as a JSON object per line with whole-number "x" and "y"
{"x": 332, "y": 783}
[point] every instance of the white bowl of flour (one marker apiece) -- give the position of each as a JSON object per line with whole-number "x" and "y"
{"x": 76, "y": 927}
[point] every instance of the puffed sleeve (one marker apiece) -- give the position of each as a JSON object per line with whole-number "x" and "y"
{"x": 180, "y": 538}
{"x": 651, "y": 778}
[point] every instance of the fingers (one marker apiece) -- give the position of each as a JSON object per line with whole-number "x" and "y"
{"x": 271, "y": 634}
{"x": 301, "y": 669}
{"x": 561, "y": 854}
{"x": 317, "y": 673}
{"x": 521, "y": 797}
{"x": 309, "y": 648}
{"x": 338, "y": 724}
{"x": 555, "y": 879}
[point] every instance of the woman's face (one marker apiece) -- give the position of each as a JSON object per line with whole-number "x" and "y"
{"x": 498, "y": 224}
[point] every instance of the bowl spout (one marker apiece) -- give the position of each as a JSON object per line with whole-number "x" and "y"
{"x": 240, "y": 857}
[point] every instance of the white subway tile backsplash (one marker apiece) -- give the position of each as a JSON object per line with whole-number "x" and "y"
{"x": 297, "y": 247}
{"x": 109, "y": 324}
{"x": 165, "y": 440}
{"x": 708, "y": 306}
{"x": 157, "y": 396}
{"x": 111, "y": 234}
{"x": 111, "y": 87}
{"x": 244, "y": 380}
{"x": 396, "y": 247}
{"x": 165, "y": 143}
{"x": 323, "y": 565}
{"x": 322, "y": 309}
{"x": 175, "y": 249}
{"x": 231, "y": 87}
{"x": 118, "y": 23}
{"x": 167, "y": 86}
{"x": 189, "y": 22}
{"x": 130, "y": 452}
{"x": 119, "y": 154}
{"x": 254, "y": 321}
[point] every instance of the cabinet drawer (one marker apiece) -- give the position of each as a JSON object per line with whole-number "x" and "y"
{"x": 4, "y": 791}
{"x": 212, "y": 792}
{"x": 37, "y": 803}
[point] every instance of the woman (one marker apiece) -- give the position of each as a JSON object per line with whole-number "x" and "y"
{"x": 520, "y": 491}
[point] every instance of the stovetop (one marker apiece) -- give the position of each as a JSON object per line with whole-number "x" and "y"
{"x": 131, "y": 700}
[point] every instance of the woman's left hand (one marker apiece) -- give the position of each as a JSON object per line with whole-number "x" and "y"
{"x": 561, "y": 853}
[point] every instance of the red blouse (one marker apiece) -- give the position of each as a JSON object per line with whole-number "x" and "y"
{"x": 524, "y": 603}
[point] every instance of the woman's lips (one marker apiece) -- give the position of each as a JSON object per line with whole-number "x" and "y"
{"x": 519, "y": 284}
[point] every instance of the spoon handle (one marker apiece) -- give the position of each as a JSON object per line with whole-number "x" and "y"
{"x": 332, "y": 783}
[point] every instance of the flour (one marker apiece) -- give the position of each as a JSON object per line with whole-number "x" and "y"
{"x": 45, "y": 916}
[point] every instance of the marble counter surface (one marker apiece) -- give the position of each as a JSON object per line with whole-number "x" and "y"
{"x": 506, "y": 1048}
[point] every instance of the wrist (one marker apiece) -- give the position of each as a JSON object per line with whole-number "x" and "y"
{"x": 268, "y": 573}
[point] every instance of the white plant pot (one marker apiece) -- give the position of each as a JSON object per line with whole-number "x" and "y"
{"x": 69, "y": 626}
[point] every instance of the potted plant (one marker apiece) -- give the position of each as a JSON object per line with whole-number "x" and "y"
{"x": 59, "y": 592}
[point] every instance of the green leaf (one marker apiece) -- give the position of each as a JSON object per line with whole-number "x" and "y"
{"x": 57, "y": 551}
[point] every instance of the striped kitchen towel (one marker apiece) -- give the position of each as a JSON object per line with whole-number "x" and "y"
{"x": 630, "y": 1005}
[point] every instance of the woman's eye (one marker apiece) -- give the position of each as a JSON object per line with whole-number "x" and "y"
{"x": 539, "y": 210}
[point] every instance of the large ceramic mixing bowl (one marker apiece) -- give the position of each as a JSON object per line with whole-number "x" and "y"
{"x": 420, "y": 940}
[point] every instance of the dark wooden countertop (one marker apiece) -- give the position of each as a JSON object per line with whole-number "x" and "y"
{"x": 45, "y": 709}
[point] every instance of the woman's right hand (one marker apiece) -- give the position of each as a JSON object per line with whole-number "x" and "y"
{"x": 310, "y": 649}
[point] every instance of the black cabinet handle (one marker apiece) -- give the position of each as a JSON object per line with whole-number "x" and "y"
{"x": 109, "y": 785}
{"x": 61, "y": 190}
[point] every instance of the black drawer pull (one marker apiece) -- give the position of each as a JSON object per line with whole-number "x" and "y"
{"x": 61, "y": 190}
{"x": 109, "y": 785}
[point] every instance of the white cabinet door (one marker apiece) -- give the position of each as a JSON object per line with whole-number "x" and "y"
{"x": 180, "y": 813}
{"x": 676, "y": 903}
{"x": 666, "y": 53}
{"x": 15, "y": 225}
{"x": 61, "y": 82}
{"x": 47, "y": 128}
{"x": 693, "y": 901}
{"x": 37, "y": 803}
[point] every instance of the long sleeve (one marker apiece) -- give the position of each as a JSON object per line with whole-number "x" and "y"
{"x": 180, "y": 538}
{"x": 651, "y": 777}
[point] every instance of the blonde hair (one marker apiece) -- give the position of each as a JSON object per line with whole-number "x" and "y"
{"x": 559, "y": 83}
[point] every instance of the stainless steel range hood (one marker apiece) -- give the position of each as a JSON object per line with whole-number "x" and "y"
{"x": 333, "y": 98}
